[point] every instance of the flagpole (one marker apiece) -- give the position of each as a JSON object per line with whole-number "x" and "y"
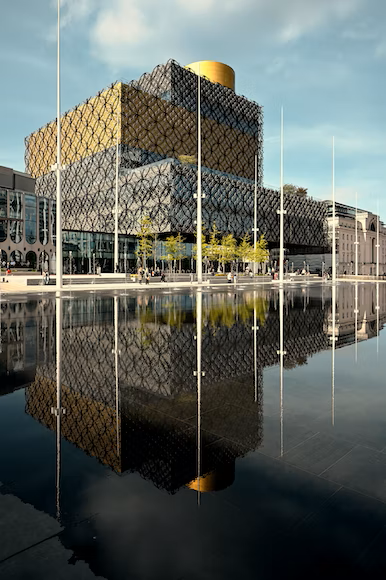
{"x": 333, "y": 215}
{"x": 281, "y": 211}
{"x": 356, "y": 234}
{"x": 59, "y": 258}
{"x": 255, "y": 228}
{"x": 199, "y": 193}
{"x": 377, "y": 246}
{"x": 116, "y": 242}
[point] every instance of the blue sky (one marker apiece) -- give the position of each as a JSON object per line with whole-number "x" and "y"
{"x": 323, "y": 60}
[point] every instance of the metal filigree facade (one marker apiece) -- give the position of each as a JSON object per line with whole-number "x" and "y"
{"x": 154, "y": 122}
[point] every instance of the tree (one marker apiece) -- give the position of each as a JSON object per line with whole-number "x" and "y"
{"x": 212, "y": 250}
{"x": 187, "y": 159}
{"x": 295, "y": 190}
{"x": 262, "y": 253}
{"x": 180, "y": 249}
{"x": 227, "y": 249}
{"x": 171, "y": 250}
{"x": 145, "y": 244}
{"x": 245, "y": 249}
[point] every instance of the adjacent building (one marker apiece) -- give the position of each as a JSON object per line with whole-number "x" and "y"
{"x": 353, "y": 224}
{"x": 27, "y": 222}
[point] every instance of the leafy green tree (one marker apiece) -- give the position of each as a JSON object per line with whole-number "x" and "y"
{"x": 145, "y": 244}
{"x": 262, "y": 253}
{"x": 170, "y": 246}
{"x": 213, "y": 246}
{"x": 187, "y": 159}
{"x": 180, "y": 249}
{"x": 228, "y": 249}
{"x": 295, "y": 190}
{"x": 245, "y": 249}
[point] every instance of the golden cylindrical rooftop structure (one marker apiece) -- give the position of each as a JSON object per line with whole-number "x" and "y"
{"x": 216, "y": 480}
{"x": 216, "y": 72}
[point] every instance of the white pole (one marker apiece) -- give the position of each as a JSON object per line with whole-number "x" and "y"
{"x": 281, "y": 211}
{"x": 59, "y": 258}
{"x": 255, "y": 229}
{"x": 333, "y": 215}
{"x": 116, "y": 242}
{"x": 356, "y": 234}
{"x": 377, "y": 240}
{"x": 199, "y": 193}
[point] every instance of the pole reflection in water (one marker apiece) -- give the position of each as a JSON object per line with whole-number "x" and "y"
{"x": 58, "y": 411}
{"x": 116, "y": 353}
{"x": 377, "y": 309}
{"x": 281, "y": 352}
{"x": 356, "y": 312}
{"x": 333, "y": 339}
{"x": 199, "y": 374}
{"x": 255, "y": 328}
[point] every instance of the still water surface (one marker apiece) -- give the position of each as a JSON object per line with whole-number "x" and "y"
{"x": 181, "y": 436}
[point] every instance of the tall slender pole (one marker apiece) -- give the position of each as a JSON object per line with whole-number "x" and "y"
{"x": 281, "y": 211}
{"x": 116, "y": 242}
{"x": 199, "y": 193}
{"x": 356, "y": 234}
{"x": 59, "y": 258}
{"x": 377, "y": 240}
{"x": 255, "y": 229}
{"x": 333, "y": 215}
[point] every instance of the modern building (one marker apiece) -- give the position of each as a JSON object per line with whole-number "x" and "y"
{"x": 27, "y": 222}
{"x": 146, "y": 133}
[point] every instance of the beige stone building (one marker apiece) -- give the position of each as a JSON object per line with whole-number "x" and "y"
{"x": 367, "y": 225}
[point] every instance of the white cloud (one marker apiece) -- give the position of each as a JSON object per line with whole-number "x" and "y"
{"x": 73, "y": 10}
{"x": 156, "y": 29}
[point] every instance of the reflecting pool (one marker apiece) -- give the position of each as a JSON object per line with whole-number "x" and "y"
{"x": 218, "y": 434}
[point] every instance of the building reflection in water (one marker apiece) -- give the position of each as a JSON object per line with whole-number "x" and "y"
{"x": 130, "y": 372}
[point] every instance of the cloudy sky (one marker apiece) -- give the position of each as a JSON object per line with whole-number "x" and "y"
{"x": 323, "y": 60}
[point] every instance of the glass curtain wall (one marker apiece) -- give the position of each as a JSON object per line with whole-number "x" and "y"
{"x": 43, "y": 221}
{"x": 91, "y": 251}
{"x": 30, "y": 219}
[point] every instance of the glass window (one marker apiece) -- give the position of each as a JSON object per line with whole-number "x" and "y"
{"x": 16, "y": 258}
{"x": 30, "y": 219}
{"x": 43, "y": 221}
{"x": 3, "y": 203}
{"x": 3, "y": 230}
{"x": 15, "y": 205}
{"x": 16, "y": 231}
